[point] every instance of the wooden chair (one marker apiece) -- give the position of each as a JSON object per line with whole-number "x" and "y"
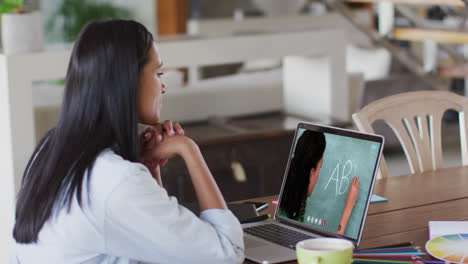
{"x": 415, "y": 118}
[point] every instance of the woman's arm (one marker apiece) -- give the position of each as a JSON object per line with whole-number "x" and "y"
{"x": 143, "y": 223}
{"x": 349, "y": 205}
{"x": 148, "y": 140}
{"x": 208, "y": 193}
{"x": 166, "y": 140}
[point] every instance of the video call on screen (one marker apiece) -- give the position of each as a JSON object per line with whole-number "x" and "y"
{"x": 343, "y": 158}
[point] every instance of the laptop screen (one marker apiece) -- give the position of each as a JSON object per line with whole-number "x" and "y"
{"x": 329, "y": 178}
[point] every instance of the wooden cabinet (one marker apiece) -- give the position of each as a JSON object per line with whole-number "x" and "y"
{"x": 263, "y": 161}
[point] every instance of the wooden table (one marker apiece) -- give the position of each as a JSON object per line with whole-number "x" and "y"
{"x": 413, "y": 200}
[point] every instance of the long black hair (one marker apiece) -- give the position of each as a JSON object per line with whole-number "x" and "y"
{"x": 99, "y": 111}
{"x": 309, "y": 151}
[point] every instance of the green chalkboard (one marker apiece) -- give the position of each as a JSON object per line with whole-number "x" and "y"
{"x": 344, "y": 158}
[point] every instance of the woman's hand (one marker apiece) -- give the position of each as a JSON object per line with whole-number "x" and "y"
{"x": 170, "y": 141}
{"x": 353, "y": 194}
{"x": 150, "y": 138}
{"x": 177, "y": 145}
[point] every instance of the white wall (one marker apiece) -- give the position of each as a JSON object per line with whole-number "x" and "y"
{"x": 144, "y": 11}
{"x": 7, "y": 196}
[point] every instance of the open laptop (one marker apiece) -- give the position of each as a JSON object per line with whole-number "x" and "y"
{"x": 326, "y": 168}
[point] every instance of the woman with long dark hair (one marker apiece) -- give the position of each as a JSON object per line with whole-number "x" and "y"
{"x": 303, "y": 174}
{"x": 85, "y": 198}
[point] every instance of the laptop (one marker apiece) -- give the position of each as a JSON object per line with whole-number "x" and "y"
{"x": 326, "y": 192}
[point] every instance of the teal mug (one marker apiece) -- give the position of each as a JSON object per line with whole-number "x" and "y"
{"x": 324, "y": 251}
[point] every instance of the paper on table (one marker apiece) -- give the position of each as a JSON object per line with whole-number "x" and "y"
{"x": 441, "y": 228}
{"x": 378, "y": 199}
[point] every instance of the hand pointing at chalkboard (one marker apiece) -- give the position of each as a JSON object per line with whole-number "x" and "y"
{"x": 349, "y": 205}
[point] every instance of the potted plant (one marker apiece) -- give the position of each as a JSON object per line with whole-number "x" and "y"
{"x": 21, "y": 31}
{"x": 71, "y": 15}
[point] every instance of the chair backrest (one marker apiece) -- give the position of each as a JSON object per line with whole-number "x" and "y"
{"x": 415, "y": 118}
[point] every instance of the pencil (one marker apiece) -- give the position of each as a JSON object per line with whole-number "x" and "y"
{"x": 396, "y": 262}
{"x": 386, "y": 251}
{"x": 364, "y": 262}
{"x": 405, "y": 244}
{"x": 390, "y": 258}
{"x": 407, "y": 252}
{"x": 377, "y": 261}
{"x": 403, "y": 260}
{"x": 416, "y": 252}
{"x": 391, "y": 254}
{"x": 389, "y": 249}
{"x": 369, "y": 261}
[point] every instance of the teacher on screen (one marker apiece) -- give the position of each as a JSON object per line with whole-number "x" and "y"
{"x": 303, "y": 175}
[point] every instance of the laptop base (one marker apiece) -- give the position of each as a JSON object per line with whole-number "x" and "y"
{"x": 260, "y": 250}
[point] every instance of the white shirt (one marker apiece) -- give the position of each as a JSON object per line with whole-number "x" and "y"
{"x": 131, "y": 219}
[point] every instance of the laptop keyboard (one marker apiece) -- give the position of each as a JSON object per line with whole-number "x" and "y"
{"x": 277, "y": 234}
